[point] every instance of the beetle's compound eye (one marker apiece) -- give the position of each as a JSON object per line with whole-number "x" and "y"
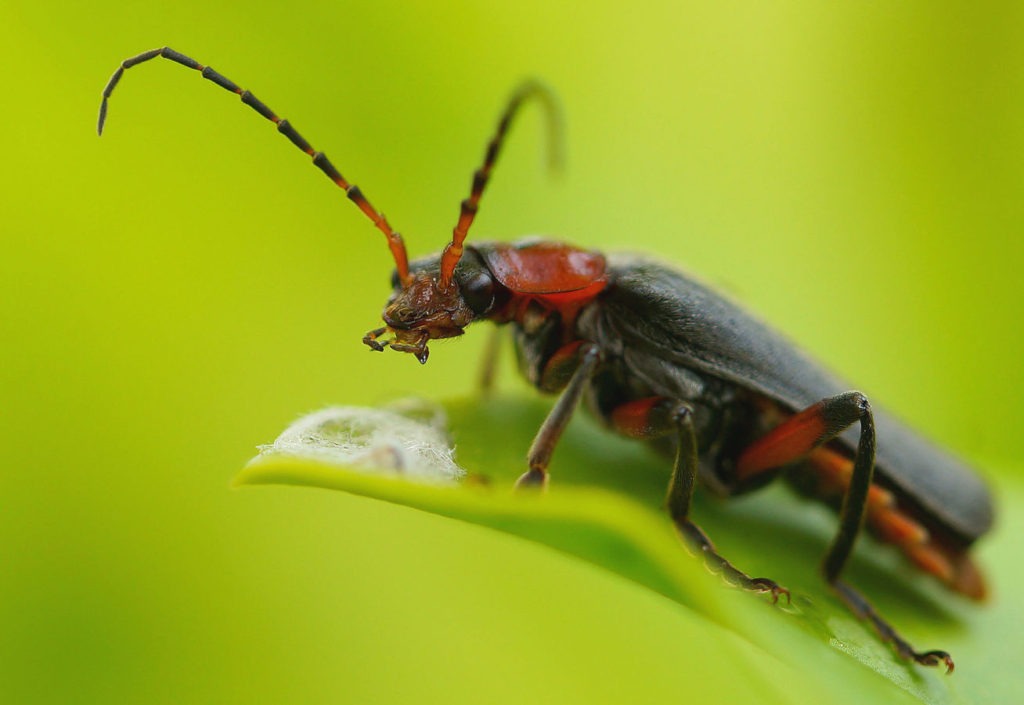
{"x": 478, "y": 292}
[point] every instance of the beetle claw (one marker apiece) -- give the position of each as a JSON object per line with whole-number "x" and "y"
{"x": 768, "y": 585}
{"x": 779, "y": 590}
{"x": 370, "y": 339}
{"x": 934, "y": 658}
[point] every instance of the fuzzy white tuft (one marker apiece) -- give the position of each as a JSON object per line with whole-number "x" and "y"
{"x": 406, "y": 439}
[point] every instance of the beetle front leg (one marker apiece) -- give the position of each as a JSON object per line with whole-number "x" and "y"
{"x": 794, "y": 439}
{"x": 489, "y": 364}
{"x": 655, "y": 417}
{"x": 577, "y": 362}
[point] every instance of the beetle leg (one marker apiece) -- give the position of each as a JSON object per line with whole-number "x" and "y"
{"x": 680, "y": 495}
{"x": 561, "y": 367}
{"x": 863, "y": 609}
{"x": 891, "y": 523}
{"x": 803, "y": 432}
{"x": 797, "y": 437}
{"x": 490, "y": 361}
{"x": 583, "y": 359}
{"x": 652, "y": 418}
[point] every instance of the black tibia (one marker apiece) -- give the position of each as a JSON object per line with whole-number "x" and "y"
{"x": 680, "y": 495}
{"x": 851, "y": 517}
{"x": 547, "y": 437}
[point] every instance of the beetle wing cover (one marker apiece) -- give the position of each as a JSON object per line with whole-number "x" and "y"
{"x": 666, "y": 320}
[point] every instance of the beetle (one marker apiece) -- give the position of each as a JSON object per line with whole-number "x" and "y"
{"x": 659, "y": 357}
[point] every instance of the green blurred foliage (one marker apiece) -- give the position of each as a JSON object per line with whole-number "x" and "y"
{"x": 175, "y": 293}
{"x": 622, "y": 528}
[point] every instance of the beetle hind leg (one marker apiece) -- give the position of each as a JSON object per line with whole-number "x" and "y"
{"x": 798, "y": 437}
{"x": 655, "y": 417}
{"x": 893, "y": 524}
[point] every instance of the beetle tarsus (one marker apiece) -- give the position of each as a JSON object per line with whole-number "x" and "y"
{"x": 863, "y": 609}
{"x": 698, "y": 542}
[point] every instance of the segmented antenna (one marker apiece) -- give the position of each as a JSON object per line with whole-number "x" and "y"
{"x": 530, "y": 89}
{"x": 320, "y": 160}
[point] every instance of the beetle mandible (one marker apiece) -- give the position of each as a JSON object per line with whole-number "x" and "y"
{"x": 660, "y": 357}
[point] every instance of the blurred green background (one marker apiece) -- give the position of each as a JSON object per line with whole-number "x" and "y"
{"x": 174, "y": 294}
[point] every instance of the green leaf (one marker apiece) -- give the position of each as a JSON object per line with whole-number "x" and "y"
{"x": 604, "y": 507}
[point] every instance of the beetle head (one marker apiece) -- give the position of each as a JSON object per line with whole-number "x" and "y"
{"x": 439, "y": 296}
{"x": 421, "y": 308}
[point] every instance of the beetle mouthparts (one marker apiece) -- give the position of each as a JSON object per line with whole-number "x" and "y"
{"x": 410, "y": 341}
